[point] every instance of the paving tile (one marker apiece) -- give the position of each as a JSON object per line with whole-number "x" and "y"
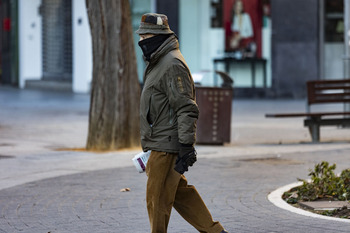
{"x": 64, "y": 191}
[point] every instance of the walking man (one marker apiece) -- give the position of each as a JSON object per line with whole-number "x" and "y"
{"x": 168, "y": 113}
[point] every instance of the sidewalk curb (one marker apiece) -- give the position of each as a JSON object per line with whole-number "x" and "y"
{"x": 275, "y": 197}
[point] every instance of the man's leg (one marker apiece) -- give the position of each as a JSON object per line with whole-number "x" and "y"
{"x": 162, "y": 184}
{"x": 191, "y": 207}
{"x": 167, "y": 188}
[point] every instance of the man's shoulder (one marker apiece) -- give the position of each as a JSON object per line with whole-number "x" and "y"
{"x": 175, "y": 60}
{"x": 173, "y": 56}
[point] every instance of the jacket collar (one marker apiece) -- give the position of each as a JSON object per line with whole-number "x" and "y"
{"x": 170, "y": 44}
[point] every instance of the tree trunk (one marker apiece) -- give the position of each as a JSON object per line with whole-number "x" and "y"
{"x": 115, "y": 94}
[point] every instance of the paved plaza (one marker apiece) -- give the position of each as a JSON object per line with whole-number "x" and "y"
{"x": 47, "y": 184}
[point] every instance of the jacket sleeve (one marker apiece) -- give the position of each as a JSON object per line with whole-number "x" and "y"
{"x": 181, "y": 95}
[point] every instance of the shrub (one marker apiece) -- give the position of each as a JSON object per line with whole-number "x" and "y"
{"x": 324, "y": 184}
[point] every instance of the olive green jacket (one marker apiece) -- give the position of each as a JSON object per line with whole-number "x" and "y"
{"x": 168, "y": 111}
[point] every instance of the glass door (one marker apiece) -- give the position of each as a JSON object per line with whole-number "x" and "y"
{"x": 333, "y": 39}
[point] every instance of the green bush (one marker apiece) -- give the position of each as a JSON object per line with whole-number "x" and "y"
{"x": 324, "y": 184}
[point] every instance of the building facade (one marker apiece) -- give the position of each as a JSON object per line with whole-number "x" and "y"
{"x": 47, "y": 43}
{"x": 307, "y": 44}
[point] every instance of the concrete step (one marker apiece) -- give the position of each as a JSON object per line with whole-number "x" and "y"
{"x": 325, "y": 205}
{"x": 51, "y": 85}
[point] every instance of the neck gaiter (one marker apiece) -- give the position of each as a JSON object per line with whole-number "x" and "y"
{"x": 150, "y": 45}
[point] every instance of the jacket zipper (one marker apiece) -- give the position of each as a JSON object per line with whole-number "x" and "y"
{"x": 171, "y": 116}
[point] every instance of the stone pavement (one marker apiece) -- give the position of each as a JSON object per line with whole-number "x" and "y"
{"x": 44, "y": 187}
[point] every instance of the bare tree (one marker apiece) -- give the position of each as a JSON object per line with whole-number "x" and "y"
{"x": 115, "y": 94}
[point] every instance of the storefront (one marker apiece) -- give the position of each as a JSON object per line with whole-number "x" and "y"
{"x": 288, "y": 42}
{"x": 8, "y": 42}
{"x": 269, "y": 47}
{"x": 208, "y": 31}
{"x": 54, "y": 45}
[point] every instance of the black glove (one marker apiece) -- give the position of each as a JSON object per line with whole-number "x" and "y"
{"x": 187, "y": 157}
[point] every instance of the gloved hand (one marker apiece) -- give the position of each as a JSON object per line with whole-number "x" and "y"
{"x": 187, "y": 157}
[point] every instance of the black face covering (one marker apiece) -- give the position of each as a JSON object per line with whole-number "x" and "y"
{"x": 151, "y": 44}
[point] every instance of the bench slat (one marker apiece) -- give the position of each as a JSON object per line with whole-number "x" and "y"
{"x": 331, "y": 87}
{"x": 304, "y": 114}
{"x": 328, "y": 122}
{"x": 330, "y": 81}
{"x": 333, "y": 95}
{"x": 324, "y": 101}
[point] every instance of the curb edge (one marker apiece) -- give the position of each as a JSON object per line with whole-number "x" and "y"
{"x": 275, "y": 197}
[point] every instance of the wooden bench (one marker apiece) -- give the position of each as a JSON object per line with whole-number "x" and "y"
{"x": 323, "y": 92}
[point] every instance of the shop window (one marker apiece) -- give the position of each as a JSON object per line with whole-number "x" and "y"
{"x": 242, "y": 24}
{"x": 334, "y": 20}
{"x": 216, "y": 13}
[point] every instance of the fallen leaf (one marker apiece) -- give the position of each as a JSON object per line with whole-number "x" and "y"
{"x": 125, "y": 190}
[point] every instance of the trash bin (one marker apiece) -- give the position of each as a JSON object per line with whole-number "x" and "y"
{"x": 215, "y": 107}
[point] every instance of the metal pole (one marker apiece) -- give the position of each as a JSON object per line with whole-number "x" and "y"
{"x": 347, "y": 45}
{"x": 321, "y": 38}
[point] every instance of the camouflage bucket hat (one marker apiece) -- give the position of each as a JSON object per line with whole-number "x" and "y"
{"x": 152, "y": 23}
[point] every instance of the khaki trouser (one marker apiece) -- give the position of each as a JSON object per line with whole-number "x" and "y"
{"x": 167, "y": 188}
